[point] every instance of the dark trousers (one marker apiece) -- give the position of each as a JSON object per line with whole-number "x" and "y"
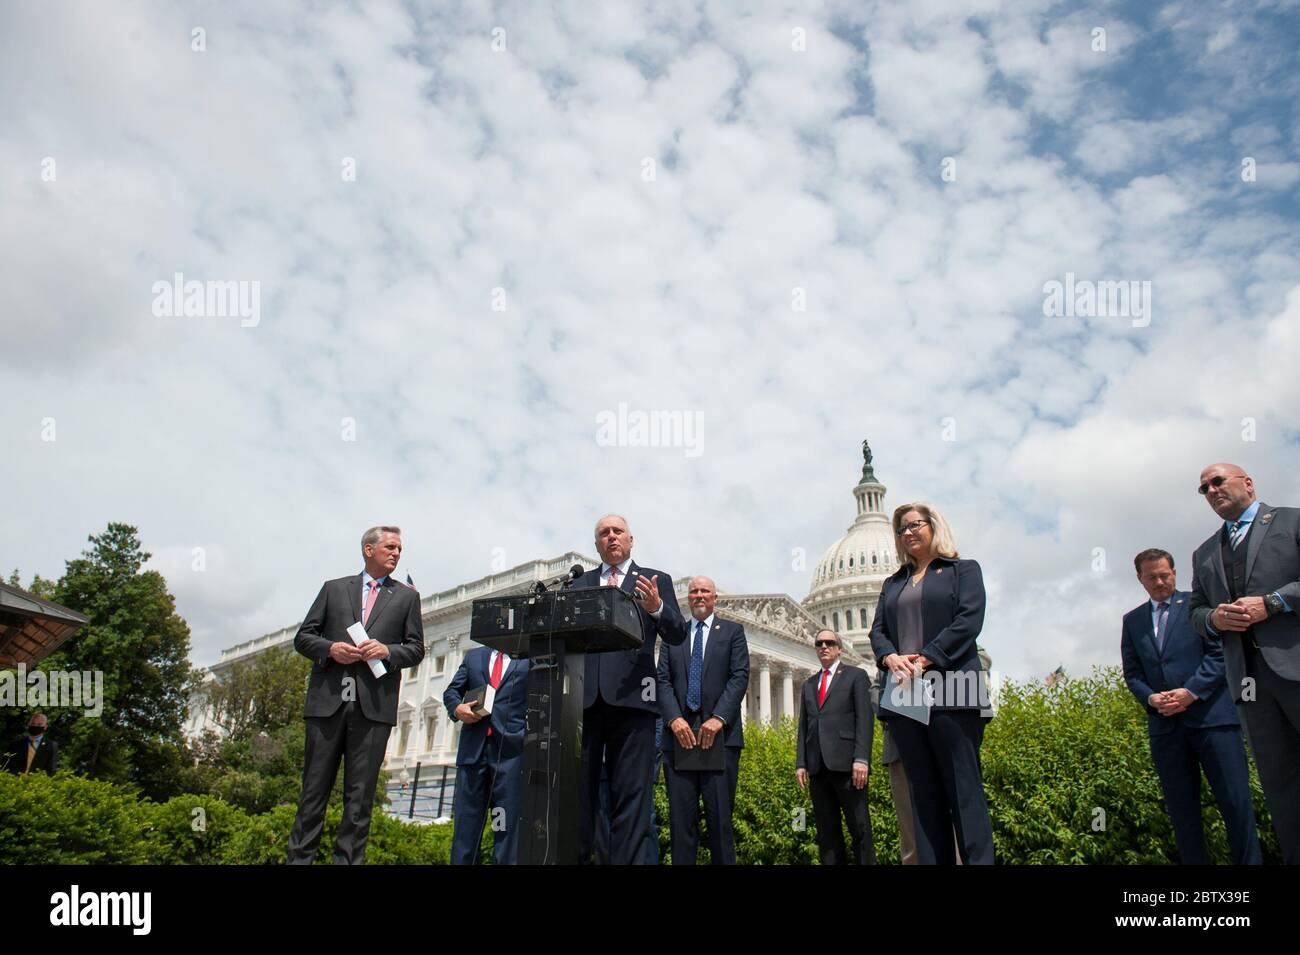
{"x": 833, "y": 793}
{"x": 1179, "y": 756}
{"x": 685, "y": 791}
{"x": 1273, "y": 726}
{"x": 623, "y": 739}
{"x": 650, "y": 847}
{"x": 479, "y": 786}
{"x": 360, "y": 743}
{"x": 943, "y": 768}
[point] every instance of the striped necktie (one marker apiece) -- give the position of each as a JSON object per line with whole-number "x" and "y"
{"x": 1236, "y": 532}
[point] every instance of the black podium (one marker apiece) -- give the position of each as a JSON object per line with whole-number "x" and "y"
{"x": 555, "y": 630}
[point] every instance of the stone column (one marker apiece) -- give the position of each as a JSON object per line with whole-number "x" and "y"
{"x": 765, "y": 692}
{"x": 449, "y": 669}
{"x": 787, "y": 691}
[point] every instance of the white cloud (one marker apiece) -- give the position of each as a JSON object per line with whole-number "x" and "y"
{"x": 775, "y": 170}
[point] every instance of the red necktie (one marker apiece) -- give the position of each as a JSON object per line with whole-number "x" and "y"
{"x": 613, "y": 576}
{"x": 370, "y": 601}
{"x": 821, "y": 692}
{"x": 495, "y": 679}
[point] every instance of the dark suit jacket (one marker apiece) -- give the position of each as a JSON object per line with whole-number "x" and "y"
{"x": 1188, "y": 661}
{"x": 46, "y": 759}
{"x": 508, "y": 707}
{"x": 952, "y": 615}
{"x": 837, "y": 734}
{"x": 394, "y": 620}
{"x": 723, "y": 680}
{"x": 1272, "y": 564}
{"x": 621, "y": 677}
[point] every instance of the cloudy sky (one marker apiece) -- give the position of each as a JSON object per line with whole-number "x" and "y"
{"x": 478, "y": 230}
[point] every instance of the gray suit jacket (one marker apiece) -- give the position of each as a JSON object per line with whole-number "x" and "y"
{"x": 394, "y": 620}
{"x": 1272, "y": 564}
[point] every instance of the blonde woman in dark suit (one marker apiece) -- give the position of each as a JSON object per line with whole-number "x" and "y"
{"x": 927, "y": 620}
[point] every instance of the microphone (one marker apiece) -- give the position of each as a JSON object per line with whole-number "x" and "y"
{"x": 564, "y": 582}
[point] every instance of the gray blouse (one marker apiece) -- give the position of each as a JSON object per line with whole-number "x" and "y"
{"x": 911, "y": 632}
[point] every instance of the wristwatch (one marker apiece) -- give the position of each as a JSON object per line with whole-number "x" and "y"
{"x": 1274, "y": 604}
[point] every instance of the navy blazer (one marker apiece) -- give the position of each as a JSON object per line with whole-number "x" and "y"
{"x": 630, "y": 677}
{"x": 952, "y": 615}
{"x": 46, "y": 759}
{"x": 507, "y": 717}
{"x": 723, "y": 680}
{"x": 1188, "y": 661}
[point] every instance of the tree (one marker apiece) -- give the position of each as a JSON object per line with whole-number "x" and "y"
{"x": 256, "y": 761}
{"x": 141, "y": 645}
{"x": 259, "y": 695}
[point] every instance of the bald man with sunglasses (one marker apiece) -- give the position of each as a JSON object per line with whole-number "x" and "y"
{"x": 1245, "y": 593}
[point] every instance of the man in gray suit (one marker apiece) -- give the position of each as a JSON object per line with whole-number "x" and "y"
{"x": 1245, "y": 592}
{"x": 350, "y": 711}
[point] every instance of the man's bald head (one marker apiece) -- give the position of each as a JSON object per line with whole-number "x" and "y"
{"x": 702, "y": 595}
{"x": 1228, "y": 489}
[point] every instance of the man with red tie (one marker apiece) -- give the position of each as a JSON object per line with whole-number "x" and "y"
{"x": 833, "y": 752}
{"x": 489, "y": 754}
{"x": 352, "y": 704}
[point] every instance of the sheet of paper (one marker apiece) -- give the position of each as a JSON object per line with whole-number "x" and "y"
{"x": 913, "y": 699}
{"x": 489, "y": 695}
{"x": 358, "y": 635}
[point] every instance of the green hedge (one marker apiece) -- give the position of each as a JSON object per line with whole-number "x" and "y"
{"x": 69, "y": 819}
{"x": 1067, "y": 771}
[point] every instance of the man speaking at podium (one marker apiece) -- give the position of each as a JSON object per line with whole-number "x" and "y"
{"x": 620, "y": 700}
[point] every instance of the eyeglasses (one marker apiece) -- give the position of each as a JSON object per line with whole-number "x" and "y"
{"x": 826, "y": 643}
{"x": 1216, "y": 483}
{"x": 912, "y": 527}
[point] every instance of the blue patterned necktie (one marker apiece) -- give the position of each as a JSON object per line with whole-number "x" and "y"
{"x": 1162, "y": 620}
{"x": 696, "y": 668}
{"x": 1236, "y": 533}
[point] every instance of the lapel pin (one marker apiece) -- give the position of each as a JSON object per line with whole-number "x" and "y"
{"x": 1267, "y": 518}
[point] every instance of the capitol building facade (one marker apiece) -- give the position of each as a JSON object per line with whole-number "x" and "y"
{"x": 844, "y": 588}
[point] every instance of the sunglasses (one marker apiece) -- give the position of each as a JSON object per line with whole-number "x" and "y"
{"x": 1216, "y": 483}
{"x": 826, "y": 643}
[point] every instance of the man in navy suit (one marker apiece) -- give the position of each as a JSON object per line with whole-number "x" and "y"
{"x": 1178, "y": 678}
{"x": 702, "y": 681}
{"x": 36, "y": 752}
{"x": 489, "y": 754}
{"x": 621, "y": 700}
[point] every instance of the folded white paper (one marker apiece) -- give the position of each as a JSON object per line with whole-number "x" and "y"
{"x": 358, "y": 635}
{"x": 912, "y": 699}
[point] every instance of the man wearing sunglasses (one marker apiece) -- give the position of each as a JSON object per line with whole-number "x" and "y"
{"x": 833, "y": 752}
{"x": 1245, "y": 592}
